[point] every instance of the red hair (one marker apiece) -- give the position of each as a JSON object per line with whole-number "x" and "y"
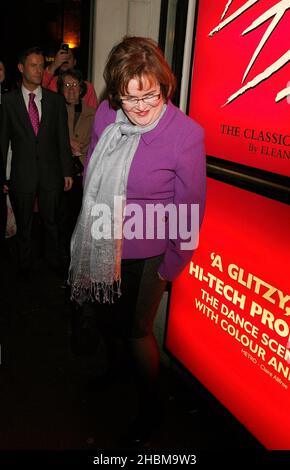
{"x": 137, "y": 57}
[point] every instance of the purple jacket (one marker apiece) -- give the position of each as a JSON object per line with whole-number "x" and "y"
{"x": 168, "y": 167}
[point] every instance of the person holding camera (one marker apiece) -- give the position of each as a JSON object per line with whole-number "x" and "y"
{"x": 65, "y": 60}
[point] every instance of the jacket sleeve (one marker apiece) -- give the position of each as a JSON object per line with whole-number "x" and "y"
{"x": 103, "y": 117}
{"x": 64, "y": 142}
{"x": 190, "y": 188}
{"x": 2, "y": 171}
{"x": 92, "y": 144}
{"x": 4, "y": 132}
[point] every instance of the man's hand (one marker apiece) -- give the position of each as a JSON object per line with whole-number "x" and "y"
{"x": 68, "y": 182}
{"x": 5, "y": 189}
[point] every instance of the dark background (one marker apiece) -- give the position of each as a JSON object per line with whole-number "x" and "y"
{"x": 43, "y": 23}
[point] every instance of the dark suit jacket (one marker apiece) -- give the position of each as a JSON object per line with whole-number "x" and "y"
{"x": 37, "y": 161}
{"x": 2, "y": 172}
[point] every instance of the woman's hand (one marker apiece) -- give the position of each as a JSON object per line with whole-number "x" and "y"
{"x": 76, "y": 147}
{"x": 160, "y": 277}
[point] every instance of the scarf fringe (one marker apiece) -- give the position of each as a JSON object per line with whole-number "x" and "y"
{"x": 96, "y": 292}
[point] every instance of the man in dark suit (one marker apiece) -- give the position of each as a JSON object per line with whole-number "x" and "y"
{"x": 34, "y": 120}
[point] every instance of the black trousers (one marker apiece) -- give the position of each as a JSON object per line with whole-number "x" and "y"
{"x": 23, "y": 207}
{"x": 132, "y": 315}
{"x": 71, "y": 203}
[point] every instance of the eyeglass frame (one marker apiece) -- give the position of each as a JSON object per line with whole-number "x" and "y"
{"x": 128, "y": 101}
{"x": 71, "y": 85}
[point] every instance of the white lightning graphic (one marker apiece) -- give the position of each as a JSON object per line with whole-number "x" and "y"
{"x": 277, "y": 11}
{"x": 226, "y": 9}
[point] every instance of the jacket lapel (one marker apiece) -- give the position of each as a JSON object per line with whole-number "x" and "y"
{"x": 44, "y": 111}
{"x": 23, "y": 113}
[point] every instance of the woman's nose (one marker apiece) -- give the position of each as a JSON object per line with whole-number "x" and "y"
{"x": 141, "y": 105}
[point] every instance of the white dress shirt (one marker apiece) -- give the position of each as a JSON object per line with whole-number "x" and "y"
{"x": 37, "y": 99}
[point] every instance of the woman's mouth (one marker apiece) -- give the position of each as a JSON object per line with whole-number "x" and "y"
{"x": 142, "y": 113}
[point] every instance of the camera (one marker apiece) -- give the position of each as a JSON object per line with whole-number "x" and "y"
{"x": 64, "y": 47}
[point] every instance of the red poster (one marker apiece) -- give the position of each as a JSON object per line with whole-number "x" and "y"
{"x": 241, "y": 81}
{"x": 229, "y": 319}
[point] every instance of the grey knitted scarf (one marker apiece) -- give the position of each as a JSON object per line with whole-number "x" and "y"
{"x": 96, "y": 247}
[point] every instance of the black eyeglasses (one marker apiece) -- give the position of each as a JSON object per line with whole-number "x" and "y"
{"x": 132, "y": 102}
